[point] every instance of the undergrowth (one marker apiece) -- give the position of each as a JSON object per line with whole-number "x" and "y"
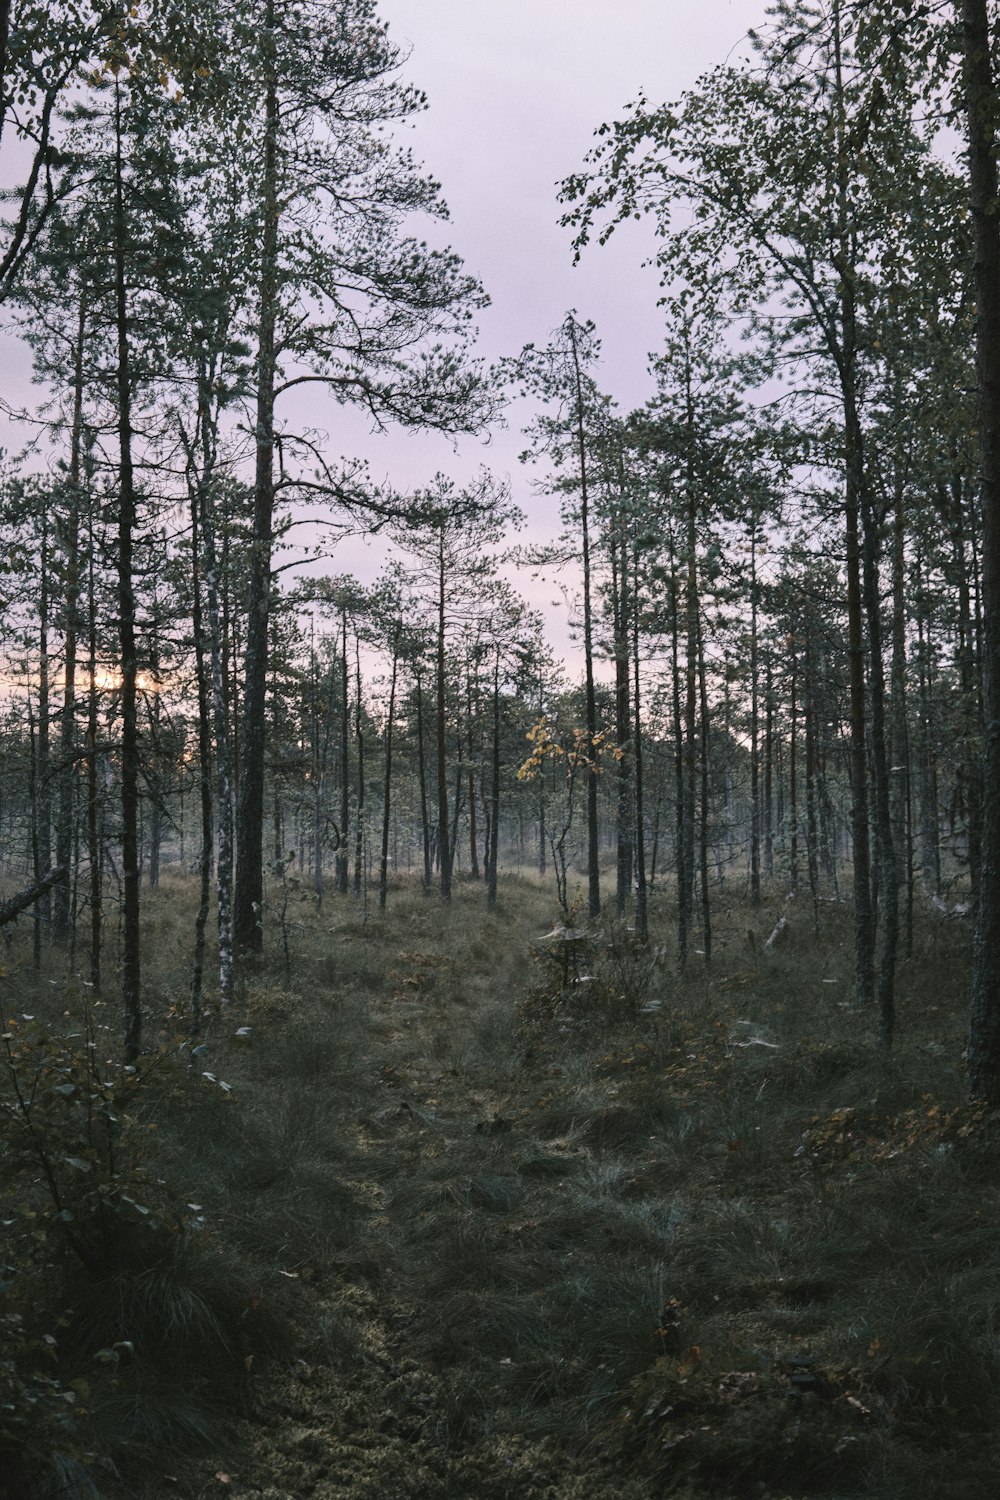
{"x": 604, "y": 1227}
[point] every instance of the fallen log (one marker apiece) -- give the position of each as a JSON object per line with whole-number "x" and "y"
{"x": 12, "y": 908}
{"x": 779, "y": 935}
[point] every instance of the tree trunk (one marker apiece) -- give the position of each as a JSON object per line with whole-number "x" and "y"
{"x": 471, "y": 781}
{"x": 639, "y": 790}
{"x": 968, "y": 770}
{"x": 930, "y": 843}
{"x": 494, "y": 834}
{"x": 621, "y": 604}
{"x": 812, "y": 822}
{"x": 205, "y": 778}
{"x": 202, "y": 458}
{"x": 62, "y": 912}
{"x": 131, "y": 978}
{"x": 981, "y": 103}
{"x": 692, "y": 624}
{"x": 706, "y": 901}
{"x": 359, "y": 831}
{"x": 887, "y": 872}
{"x": 854, "y": 485}
{"x": 768, "y": 807}
{"x": 43, "y": 824}
{"x": 444, "y": 839}
{"x": 342, "y": 864}
{"x": 94, "y": 843}
{"x": 425, "y": 831}
{"x": 680, "y": 861}
{"x": 899, "y": 755}
{"x": 248, "y": 929}
{"x": 593, "y": 857}
{"x": 754, "y": 731}
{"x": 793, "y": 790}
{"x": 383, "y": 874}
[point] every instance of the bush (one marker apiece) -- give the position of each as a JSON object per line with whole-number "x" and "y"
{"x": 122, "y": 1329}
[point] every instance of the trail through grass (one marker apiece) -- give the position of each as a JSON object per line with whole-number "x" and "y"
{"x": 640, "y": 1235}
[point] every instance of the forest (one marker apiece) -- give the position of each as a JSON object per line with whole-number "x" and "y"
{"x": 440, "y": 1061}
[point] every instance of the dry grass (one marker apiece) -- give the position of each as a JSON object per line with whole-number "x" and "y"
{"x": 647, "y": 1234}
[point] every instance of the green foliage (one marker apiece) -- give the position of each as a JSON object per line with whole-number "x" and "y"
{"x": 124, "y": 1329}
{"x": 76, "y": 1198}
{"x": 41, "y": 1415}
{"x": 75, "y": 1145}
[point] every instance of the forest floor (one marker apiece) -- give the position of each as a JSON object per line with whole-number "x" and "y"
{"x": 455, "y": 1227}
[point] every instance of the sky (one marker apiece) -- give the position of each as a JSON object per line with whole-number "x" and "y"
{"x": 515, "y": 91}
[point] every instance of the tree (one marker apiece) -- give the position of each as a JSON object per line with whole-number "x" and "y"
{"x": 793, "y": 172}
{"x": 451, "y": 536}
{"x": 389, "y": 315}
{"x": 982, "y": 116}
{"x": 560, "y": 374}
{"x": 42, "y": 48}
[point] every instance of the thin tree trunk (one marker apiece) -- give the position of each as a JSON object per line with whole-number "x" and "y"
{"x": 593, "y": 856}
{"x": 692, "y": 610}
{"x": 706, "y": 901}
{"x": 131, "y": 975}
{"x": 621, "y": 605}
{"x": 342, "y": 865}
{"x": 248, "y": 928}
{"x": 754, "y": 731}
{"x": 680, "y": 861}
{"x": 900, "y": 767}
{"x": 94, "y": 845}
{"x": 62, "y": 910}
{"x": 887, "y": 870}
{"x": 639, "y": 790}
{"x": 793, "y": 790}
{"x": 983, "y": 1053}
{"x": 471, "y": 780}
{"x": 43, "y": 823}
{"x": 864, "y": 925}
{"x": 359, "y": 832}
{"x": 383, "y": 877}
{"x": 968, "y": 771}
{"x": 444, "y": 843}
{"x": 768, "y": 809}
{"x": 205, "y": 777}
{"x": 494, "y": 833}
{"x": 812, "y": 825}
{"x": 930, "y": 843}
{"x": 203, "y": 465}
{"x": 315, "y": 776}
{"x": 425, "y": 839}
{"x": 36, "y": 855}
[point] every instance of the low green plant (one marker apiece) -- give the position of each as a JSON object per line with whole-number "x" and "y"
{"x": 123, "y": 1328}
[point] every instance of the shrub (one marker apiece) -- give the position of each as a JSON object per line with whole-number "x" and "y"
{"x": 122, "y": 1328}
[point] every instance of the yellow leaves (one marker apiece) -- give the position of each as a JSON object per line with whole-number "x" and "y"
{"x": 576, "y": 748}
{"x": 851, "y": 1133}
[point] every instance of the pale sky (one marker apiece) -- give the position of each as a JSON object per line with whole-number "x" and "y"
{"x": 516, "y": 89}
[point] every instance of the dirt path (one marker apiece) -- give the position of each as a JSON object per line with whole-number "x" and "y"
{"x": 409, "y": 1404}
